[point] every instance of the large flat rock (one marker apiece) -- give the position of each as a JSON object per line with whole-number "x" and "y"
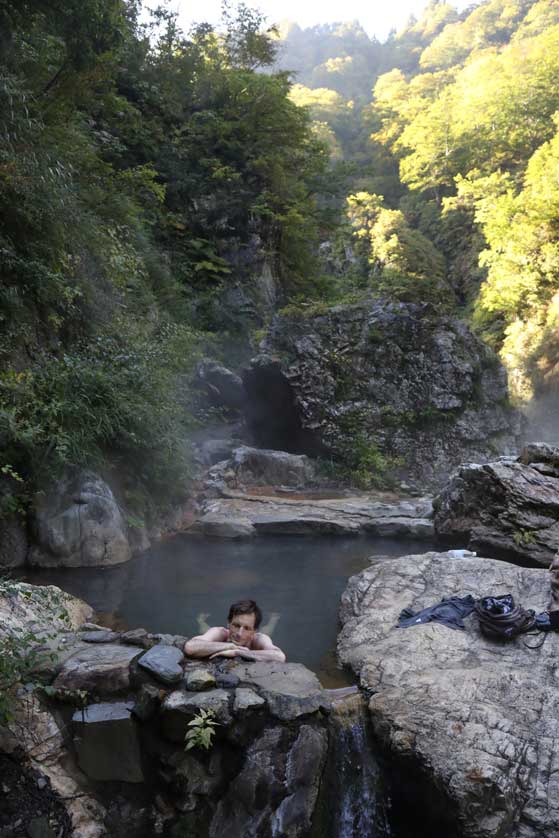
{"x": 103, "y": 667}
{"x": 478, "y": 718}
{"x": 290, "y": 689}
{"x": 245, "y": 515}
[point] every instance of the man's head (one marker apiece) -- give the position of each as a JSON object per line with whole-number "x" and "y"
{"x": 243, "y": 620}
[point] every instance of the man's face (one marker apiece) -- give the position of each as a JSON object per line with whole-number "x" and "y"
{"x": 242, "y": 629}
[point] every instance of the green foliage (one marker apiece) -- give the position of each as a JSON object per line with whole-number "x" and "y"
{"x": 137, "y": 166}
{"x": 403, "y": 263}
{"x": 112, "y": 398}
{"x": 76, "y": 698}
{"x": 518, "y": 306}
{"x": 492, "y": 112}
{"x": 523, "y": 538}
{"x": 357, "y": 457}
{"x": 202, "y": 730}
{"x": 337, "y": 56}
{"x": 17, "y": 660}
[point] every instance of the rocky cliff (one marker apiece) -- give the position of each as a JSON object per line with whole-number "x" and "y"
{"x": 506, "y": 509}
{"x": 383, "y": 387}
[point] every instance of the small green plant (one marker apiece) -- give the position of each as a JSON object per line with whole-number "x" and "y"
{"x": 76, "y": 698}
{"x": 8, "y": 471}
{"x": 202, "y": 730}
{"x": 523, "y": 538}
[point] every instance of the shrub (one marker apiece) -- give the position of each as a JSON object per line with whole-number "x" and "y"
{"x": 112, "y": 398}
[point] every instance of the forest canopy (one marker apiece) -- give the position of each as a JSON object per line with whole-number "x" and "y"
{"x": 147, "y": 176}
{"x": 137, "y": 165}
{"x": 458, "y": 132}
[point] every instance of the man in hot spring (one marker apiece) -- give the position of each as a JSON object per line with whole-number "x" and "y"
{"x": 241, "y": 638}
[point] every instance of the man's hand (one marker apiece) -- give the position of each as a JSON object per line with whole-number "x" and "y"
{"x": 234, "y": 651}
{"x": 225, "y": 653}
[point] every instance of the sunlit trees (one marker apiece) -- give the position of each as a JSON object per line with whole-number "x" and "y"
{"x": 521, "y": 293}
{"x": 402, "y": 263}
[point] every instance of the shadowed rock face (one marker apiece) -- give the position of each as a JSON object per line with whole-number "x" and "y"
{"x": 79, "y": 524}
{"x": 421, "y": 388}
{"x": 505, "y": 508}
{"x": 472, "y": 722}
{"x": 223, "y": 387}
{"x": 272, "y": 410}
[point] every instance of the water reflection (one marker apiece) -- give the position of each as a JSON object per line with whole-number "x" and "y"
{"x": 188, "y": 583}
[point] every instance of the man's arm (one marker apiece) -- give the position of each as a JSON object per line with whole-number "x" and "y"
{"x": 264, "y": 651}
{"x": 212, "y": 642}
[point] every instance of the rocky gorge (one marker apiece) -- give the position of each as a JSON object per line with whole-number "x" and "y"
{"x": 447, "y": 729}
{"x": 360, "y": 398}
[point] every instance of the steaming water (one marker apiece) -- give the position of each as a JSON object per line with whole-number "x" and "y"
{"x": 187, "y": 582}
{"x": 543, "y": 419}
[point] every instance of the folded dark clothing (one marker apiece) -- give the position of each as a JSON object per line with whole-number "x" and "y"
{"x": 450, "y": 612}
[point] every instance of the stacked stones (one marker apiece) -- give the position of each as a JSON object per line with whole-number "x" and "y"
{"x": 138, "y": 694}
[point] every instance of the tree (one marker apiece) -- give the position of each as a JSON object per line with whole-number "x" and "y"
{"x": 403, "y": 263}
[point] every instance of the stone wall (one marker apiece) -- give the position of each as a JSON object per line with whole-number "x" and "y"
{"x": 416, "y": 387}
{"x": 107, "y": 735}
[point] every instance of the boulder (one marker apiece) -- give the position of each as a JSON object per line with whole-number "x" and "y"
{"x": 103, "y": 667}
{"x": 222, "y": 387}
{"x": 264, "y": 467}
{"x": 102, "y": 731}
{"x": 198, "y": 680}
{"x": 137, "y": 637}
{"x": 99, "y": 636}
{"x": 246, "y": 699}
{"x": 147, "y": 702}
{"x": 290, "y": 689}
{"x": 393, "y": 380}
{"x": 163, "y": 662}
{"x": 508, "y": 508}
{"x": 79, "y": 524}
{"x": 217, "y": 525}
{"x": 471, "y": 723}
{"x": 213, "y": 451}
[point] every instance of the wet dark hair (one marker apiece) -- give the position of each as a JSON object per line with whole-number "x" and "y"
{"x": 246, "y": 606}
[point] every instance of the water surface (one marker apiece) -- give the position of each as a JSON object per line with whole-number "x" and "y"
{"x": 183, "y": 583}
